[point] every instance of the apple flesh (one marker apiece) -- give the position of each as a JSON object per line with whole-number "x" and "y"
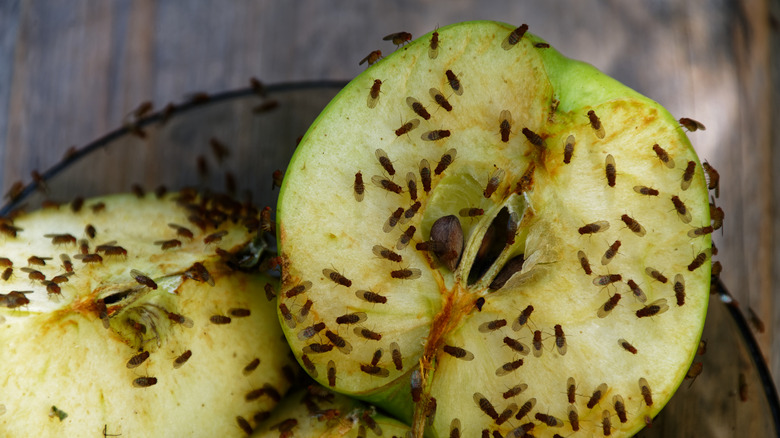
{"x": 192, "y": 348}
{"x": 584, "y": 198}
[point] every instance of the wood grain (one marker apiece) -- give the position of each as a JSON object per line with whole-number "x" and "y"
{"x": 72, "y": 71}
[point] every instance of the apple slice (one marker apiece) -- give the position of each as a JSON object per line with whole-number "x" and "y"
{"x": 123, "y": 317}
{"x": 507, "y": 237}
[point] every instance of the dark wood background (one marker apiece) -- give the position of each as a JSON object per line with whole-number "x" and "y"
{"x": 71, "y": 71}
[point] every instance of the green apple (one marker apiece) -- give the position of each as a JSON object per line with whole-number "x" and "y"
{"x": 124, "y": 317}
{"x": 481, "y": 225}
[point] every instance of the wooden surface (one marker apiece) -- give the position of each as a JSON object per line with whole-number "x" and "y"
{"x": 72, "y": 71}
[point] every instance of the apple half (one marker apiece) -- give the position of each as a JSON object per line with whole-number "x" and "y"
{"x": 487, "y": 234}
{"x": 123, "y": 316}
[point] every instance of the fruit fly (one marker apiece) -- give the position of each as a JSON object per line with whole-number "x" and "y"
{"x": 386, "y": 253}
{"x": 396, "y": 356}
{"x": 90, "y": 231}
{"x": 287, "y": 315}
{"x": 215, "y": 237}
{"x": 568, "y": 149}
{"x": 605, "y": 280}
{"x": 385, "y": 162}
{"x": 471, "y": 212}
{"x": 663, "y": 156}
{"x": 418, "y": 108}
{"x": 606, "y": 423}
{"x": 493, "y": 182}
{"x": 571, "y": 387}
{"x": 458, "y": 352}
{"x": 337, "y": 277}
{"x": 679, "y": 289}
{"x": 597, "y": 395}
{"x": 491, "y": 326}
{"x": 533, "y": 138}
{"x": 439, "y": 98}
{"x": 595, "y": 227}
{"x": 331, "y": 373}
{"x": 404, "y": 240}
{"x": 698, "y": 261}
{"x": 610, "y": 170}
{"x": 37, "y": 261}
{"x": 199, "y": 273}
{"x": 633, "y": 225}
{"x": 407, "y": 127}
{"x": 584, "y": 262}
{"x": 393, "y": 220}
{"x": 516, "y": 345}
{"x": 656, "y": 274}
{"x": 168, "y": 244}
{"x": 610, "y": 253}
{"x": 620, "y": 407}
{"x": 509, "y": 367}
{"x": 373, "y": 94}
{"x": 144, "y": 382}
{"x": 637, "y": 291}
{"x": 343, "y": 346}
{"x": 308, "y": 364}
{"x": 691, "y": 125}
{"x": 367, "y": 334}
{"x": 514, "y": 391}
{"x": 526, "y": 408}
{"x": 399, "y": 39}
{"x": 574, "y": 418}
{"x": 359, "y": 187}
{"x": 514, "y": 37}
{"x": 406, "y": 274}
{"x": 311, "y": 330}
{"x": 627, "y": 346}
{"x": 371, "y": 297}
{"x": 485, "y": 405}
{"x": 560, "y": 339}
{"x": 701, "y": 231}
{"x": 304, "y": 312}
{"x": 595, "y": 123}
{"x": 549, "y": 420}
{"x": 506, "y": 414}
{"x": 607, "y": 307}
{"x": 66, "y": 263}
{"x": 647, "y": 191}
{"x": 537, "y": 343}
{"x": 371, "y": 58}
{"x": 433, "y": 47}
{"x": 445, "y": 161}
{"x": 682, "y": 211}
{"x": 435, "y": 135}
{"x": 220, "y": 319}
{"x": 386, "y": 184}
{"x": 523, "y": 318}
{"x": 713, "y": 178}
{"x": 647, "y": 394}
{"x": 34, "y": 275}
{"x": 425, "y": 175}
{"x": 655, "y": 308}
{"x": 7, "y": 273}
{"x": 138, "y": 359}
{"x": 687, "y": 177}
{"x": 317, "y": 348}
{"x": 454, "y": 82}
{"x": 298, "y": 289}
{"x": 505, "y": 125}
{"x": 411, "y": 185}
{"x": 61, "y": 239}
{"x": 251, "y": 366}
{"x": 15, "y": 299}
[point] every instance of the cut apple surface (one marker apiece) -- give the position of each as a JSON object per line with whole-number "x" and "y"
{"x": 125, "y": 317}
{"x": 507, "y": 238}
